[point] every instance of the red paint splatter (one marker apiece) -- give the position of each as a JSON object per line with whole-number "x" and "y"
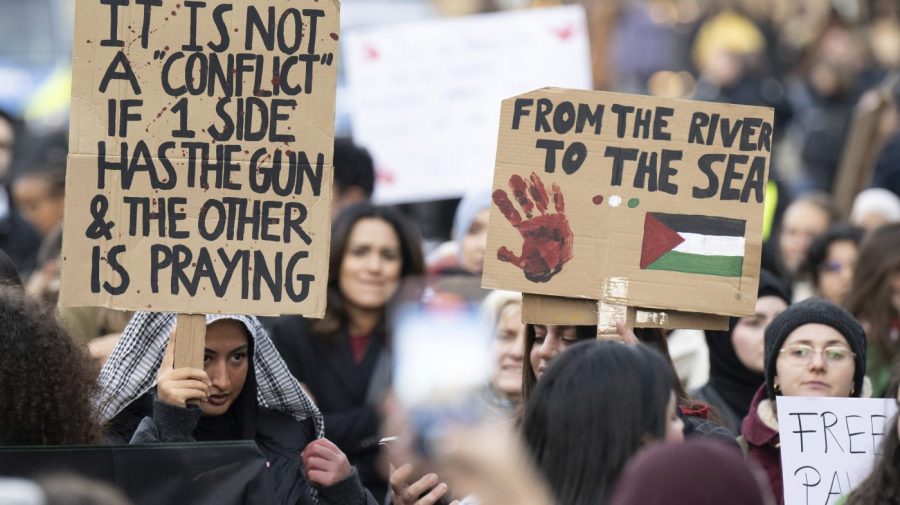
{"x": 166, "y": 48}
{"x": 566, "y": 32}
{"x": 276, "y": 80}
{"x": 334, "y": 36}
{"x": 597, "y": 199}
{"x": 385, "y": 176}
{"x": 89, "y": 41}
{"x": 371, "y": 53}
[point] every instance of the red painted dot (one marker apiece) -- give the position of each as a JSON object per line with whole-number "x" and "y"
{"x": 597, "y": 199}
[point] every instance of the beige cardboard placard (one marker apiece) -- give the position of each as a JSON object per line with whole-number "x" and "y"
{"x": 665, "y": 194}
{"x": 200, "y": 167}
{"x": 542, "y": 309}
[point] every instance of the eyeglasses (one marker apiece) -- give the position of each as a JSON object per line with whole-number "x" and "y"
{"x": 801, "y": 354}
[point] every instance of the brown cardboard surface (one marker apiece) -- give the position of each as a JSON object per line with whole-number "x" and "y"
{"x": 589, "y": 238}
{"x": 225, "y": 162}
{"x": 860, "y": 151}
{"x": 541, "y": 309}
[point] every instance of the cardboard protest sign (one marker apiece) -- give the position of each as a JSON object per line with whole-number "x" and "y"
{"x": 860, "y": 151}
{"x": 424, "y": 95}
{"x": 542, "y": 309}
{"x": 828, "y": 445}
{"x": 631, "y": 200}
{"x": 199, "y": 178}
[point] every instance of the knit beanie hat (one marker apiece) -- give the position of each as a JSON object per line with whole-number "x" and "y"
{"x": 770, "y": 285}
{"x": 812, "y": 311}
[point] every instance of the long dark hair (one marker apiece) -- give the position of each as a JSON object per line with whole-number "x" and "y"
{"x": 46, "y": 378}
{"x": 869, "y": 298}
{"x": 883, "y": 484}
{"x": 412, "y": 261}
{"x": 529, "y": 377}
{"x": 596, "y": 405}
{"x": 818, "y": 250}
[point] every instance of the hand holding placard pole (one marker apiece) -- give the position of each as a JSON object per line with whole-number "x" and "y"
{"x": 191, "y": 340}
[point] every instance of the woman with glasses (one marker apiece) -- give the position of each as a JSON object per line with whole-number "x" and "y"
{"x": 813, "y": 348}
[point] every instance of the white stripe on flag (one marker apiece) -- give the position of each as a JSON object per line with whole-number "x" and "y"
{"x": 711, "y": 245}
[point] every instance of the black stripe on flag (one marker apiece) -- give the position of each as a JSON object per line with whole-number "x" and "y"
{"x": 703, "y": 225}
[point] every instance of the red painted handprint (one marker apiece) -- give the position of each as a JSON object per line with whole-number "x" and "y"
{"x": 547, "y": 238}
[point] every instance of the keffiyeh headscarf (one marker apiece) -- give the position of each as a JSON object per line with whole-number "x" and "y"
{"x": 132, "y": 369}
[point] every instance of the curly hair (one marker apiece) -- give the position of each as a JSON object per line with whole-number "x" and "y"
{"x": 46, "y": 378}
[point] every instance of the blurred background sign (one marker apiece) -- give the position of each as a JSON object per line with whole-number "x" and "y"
{"x": 425, "y": 96}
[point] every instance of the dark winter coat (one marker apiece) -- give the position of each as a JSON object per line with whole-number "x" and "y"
{"x": 760, "y": 433}
{"x": 345, "y": 392}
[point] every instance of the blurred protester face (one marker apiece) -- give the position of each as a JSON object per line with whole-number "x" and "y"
{"x": 549, "y": 341}
{"x": 510, "y": 351}
{"x": 836, "y": 273}
{"x": 474, "y": 242}
{"x": 895, "y": 290}
{"x": 39, "y": 204}
{"x": 226, "y": 361}
{"x": 7, "y": 142}
{"x": 370, "y": 269}
{"x": 803, "y": 221}
{"x": 674, "y": 424}
{"x": 815, "y": 360}
{"x": 748, "y": 336}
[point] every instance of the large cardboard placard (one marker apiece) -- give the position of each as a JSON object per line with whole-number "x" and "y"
{"x": 633, "y": 200}
{"x": 828, "y": 445}
{"x": 424, "y": 95}
{"x": 543, "y": 309}
{"x": 199, "y": 178}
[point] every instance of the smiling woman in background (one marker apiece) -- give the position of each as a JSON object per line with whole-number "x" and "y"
{"x": 343, "y": 358}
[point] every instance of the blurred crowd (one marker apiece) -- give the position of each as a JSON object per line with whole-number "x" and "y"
{"x": 678, "y": 416}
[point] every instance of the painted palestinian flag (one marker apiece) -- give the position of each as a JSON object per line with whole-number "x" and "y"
{"x": 693, "y": 244}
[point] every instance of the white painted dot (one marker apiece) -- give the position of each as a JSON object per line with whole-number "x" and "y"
{"x": 615, "y": 201}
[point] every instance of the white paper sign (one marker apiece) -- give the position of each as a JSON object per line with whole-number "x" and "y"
{"x": 828, "y": 445}
{"x": 426, "y": 96}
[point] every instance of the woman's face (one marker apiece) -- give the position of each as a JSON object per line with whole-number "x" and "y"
{"x": 474, "y": 242}
{"x": 38, "y": 204}
{"x": 803, "y": 221}
{"x": 225, "y": 360}
{"x": 548, "y": 342}
{"x": 674, "y": 424}
{"x": 836, "y": 272}
{"x": 748, "y": 337}
{"x": 510, "y": 351}
{"x": 815, "y": 360}
{"x": 370, "y": 269}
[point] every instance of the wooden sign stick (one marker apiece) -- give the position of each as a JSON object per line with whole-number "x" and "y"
{"x": 190, "y": 341}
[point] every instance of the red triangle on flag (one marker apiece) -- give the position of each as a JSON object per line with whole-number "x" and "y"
{"x": 658, "y": 240}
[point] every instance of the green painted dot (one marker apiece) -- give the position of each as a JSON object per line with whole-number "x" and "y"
{"x": 634, "y": 202}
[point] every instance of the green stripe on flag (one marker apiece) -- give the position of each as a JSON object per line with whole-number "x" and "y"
{"x": 723, "y": 266}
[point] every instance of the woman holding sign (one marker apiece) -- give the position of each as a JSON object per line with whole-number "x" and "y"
{"x": 813, "y": 348}
{"x": 244, "y": 392}
{"x": 342, "y": 358}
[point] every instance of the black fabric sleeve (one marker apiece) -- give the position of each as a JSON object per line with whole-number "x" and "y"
{"x": 169, "y": 423}
{"x": 349, "y": 491}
